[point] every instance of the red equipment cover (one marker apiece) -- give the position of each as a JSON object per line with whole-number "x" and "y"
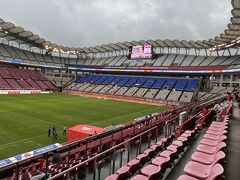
{"x": 82, "y": 131}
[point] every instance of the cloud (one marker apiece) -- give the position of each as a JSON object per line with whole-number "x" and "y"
{"x": 95, "y": 22}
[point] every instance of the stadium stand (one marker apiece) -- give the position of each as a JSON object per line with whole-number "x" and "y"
{"x": 12, "y": 78}
{"x": 188, "y": 74}
{"x": 167, "y": 60}
{"x": 204, "y": 164}
{"x": 137, "y": 86}
{"x": 94, "y": 147}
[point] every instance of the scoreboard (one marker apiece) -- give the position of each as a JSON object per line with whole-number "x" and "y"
{"x": 141, "y": 52}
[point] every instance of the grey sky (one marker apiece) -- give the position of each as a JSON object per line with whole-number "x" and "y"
{"x": 95, "y": 22}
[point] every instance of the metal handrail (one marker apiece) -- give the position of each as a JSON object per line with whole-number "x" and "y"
{"x": 121, "y": 144}
{"x": 163, "y": 115}
{"x": 101, "y": 154}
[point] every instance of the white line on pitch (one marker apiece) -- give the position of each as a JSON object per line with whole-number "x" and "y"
{"x": 22, "y": 140}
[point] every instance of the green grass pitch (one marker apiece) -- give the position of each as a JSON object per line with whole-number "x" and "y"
{"x": 24, "y": 119}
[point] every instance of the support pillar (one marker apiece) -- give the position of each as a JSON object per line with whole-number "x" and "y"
{"x": 231, "y": 80}
{"x": 211, "y": 82}
{"x": 221, "y": 80}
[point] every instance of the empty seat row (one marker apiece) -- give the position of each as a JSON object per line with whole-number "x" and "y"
{"x": 206, "y": 162}
{"x": 155, "y": 83}
{"x": 153, "y": 163}
{"x": 20, "y": 79}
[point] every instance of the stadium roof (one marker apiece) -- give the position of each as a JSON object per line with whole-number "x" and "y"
{"x": 229, "y": 38}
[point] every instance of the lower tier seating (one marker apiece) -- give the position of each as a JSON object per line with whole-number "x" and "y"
{"x": 18, "y": 79}
{"x": 206, "y": 162}
{"x": 171, "y": 89}
{"x": 153, "y": 163}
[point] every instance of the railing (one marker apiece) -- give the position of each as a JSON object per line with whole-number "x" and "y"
{"x": 165, "y": 119}
{"x": 114, "y": 149}
{"x": 168, "y": 129}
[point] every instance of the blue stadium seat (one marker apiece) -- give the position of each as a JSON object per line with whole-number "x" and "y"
{"x": 116, "y": 80}
{"x": 149, "y": 83}
{"x": 123, "y": 81}
{"x": 192, "y": 85}
{"x": 159, "y": 83}
{"x": 131, "y": 82}
{"x": 180, "y": 85}
{"x": 101, "y": 80}
{"x": 84, "y": 79}
{"x": 170, "y": 83}
{"x": 108, "y": 80}
{"x": 140, "y": 81}
{"x": 94, "y": 79}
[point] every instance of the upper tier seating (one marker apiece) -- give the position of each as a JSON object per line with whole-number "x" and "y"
{"x": 17, "y": 79}
{"x": 146, "y": 87}
{"x": 165, "y": 60}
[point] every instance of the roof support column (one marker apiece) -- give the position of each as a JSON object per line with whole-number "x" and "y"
{"x": 177, "y": 50}
{"x": 160, "y": 50}
{"x": 195, "y": 50}
{"x": 199, "y": 51}
{"x": 206, "y": 52}
{"x": 237, "y": 51}
{"x": 210, "y": 53}
{"x": 229, "y": 52}
{"x": 231, "y": 80}
{"x": 223, "y": 52}
{"x": 211, "y": 81}
{"x": 221, "y": 80}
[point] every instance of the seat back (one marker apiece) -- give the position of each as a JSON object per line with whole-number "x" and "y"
{"x": 216, "y": 171}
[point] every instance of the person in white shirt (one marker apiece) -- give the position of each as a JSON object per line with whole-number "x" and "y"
{"x": 217, "y": 108}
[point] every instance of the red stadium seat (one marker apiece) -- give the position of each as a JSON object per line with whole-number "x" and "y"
{"x": 213, "y": 142}
{"x": 207, "y": 158}
{"x": 211, "y": 149}
{"x": 163, "y": 162}
{"x": 150, "y": 153}
{"x": 152, "y": 172}
{"x": 139, "y": 177}
{"x": 186, "y": 177}
{"x": 221, "y": 132}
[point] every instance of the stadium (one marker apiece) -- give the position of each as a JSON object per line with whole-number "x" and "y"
{"x": 136, "y": 109}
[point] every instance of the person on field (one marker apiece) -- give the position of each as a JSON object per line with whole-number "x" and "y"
{"x": 64, "y": 130}
{"x": 55, "y": 136}
{"x": 49, "y": 132}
